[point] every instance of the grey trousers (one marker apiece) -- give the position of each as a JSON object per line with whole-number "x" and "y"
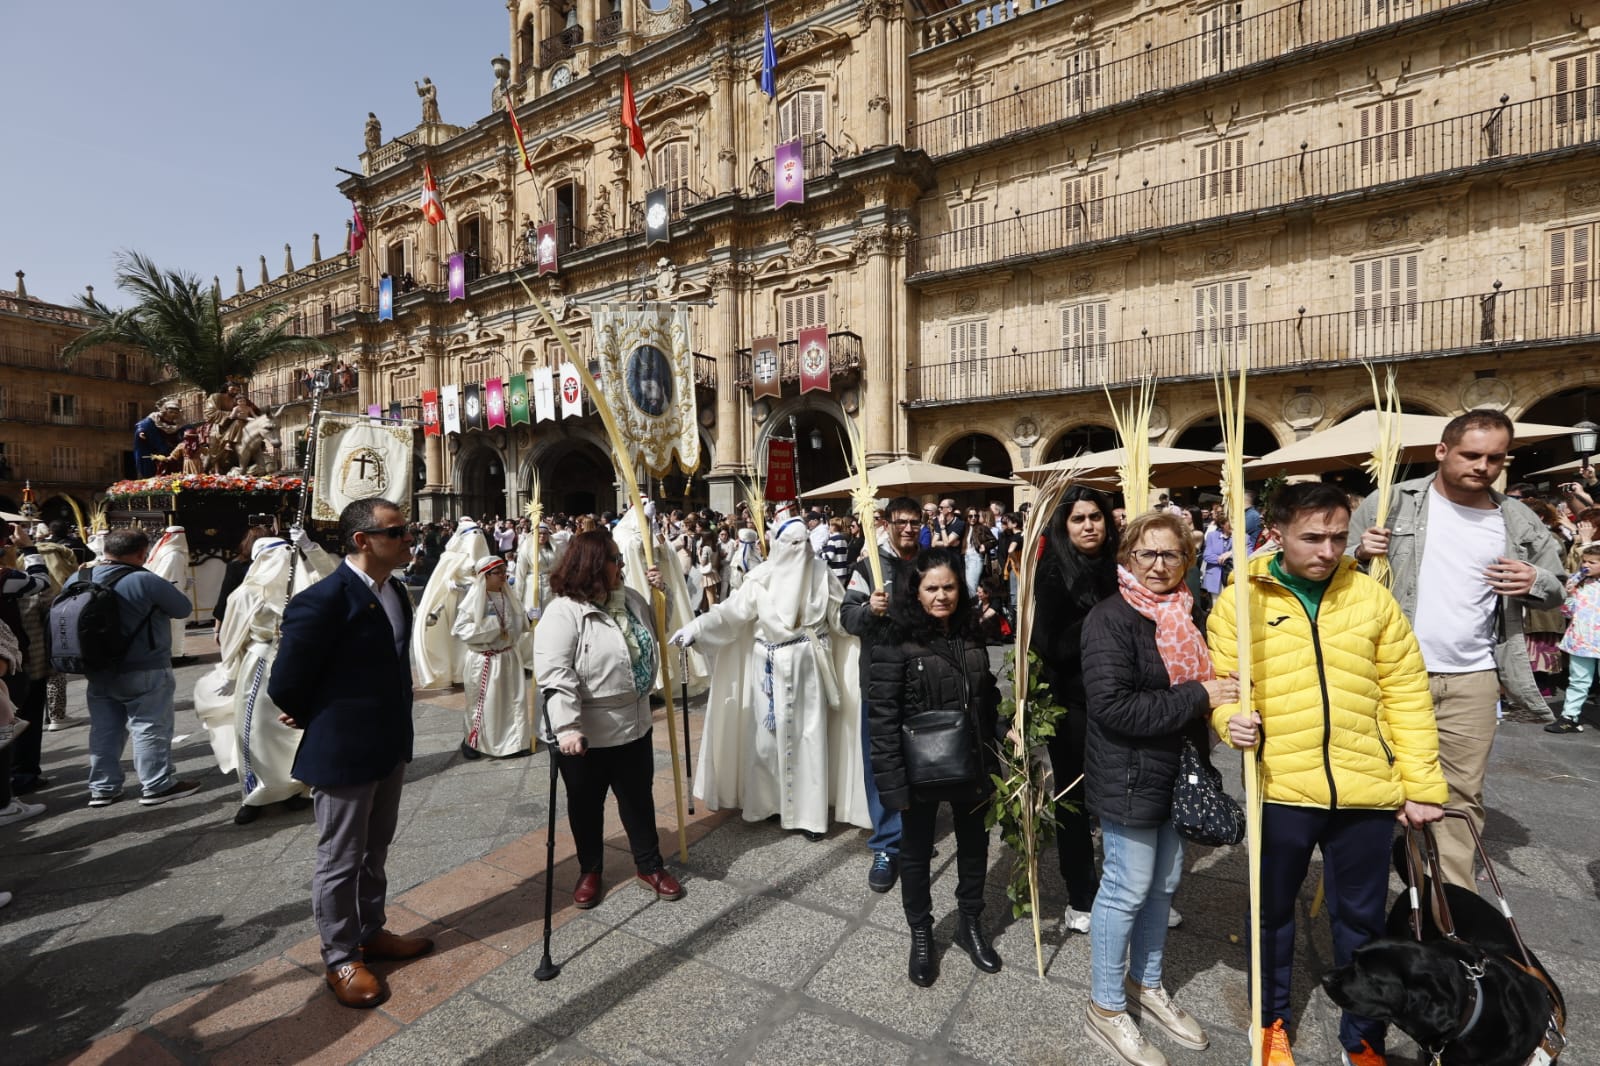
{"x": 355, "y": 823}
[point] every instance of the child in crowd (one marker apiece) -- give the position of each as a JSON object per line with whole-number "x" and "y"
{"x": 1582, "y": 639}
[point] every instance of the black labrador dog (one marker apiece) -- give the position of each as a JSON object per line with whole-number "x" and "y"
{"x": 1463, "y": 999}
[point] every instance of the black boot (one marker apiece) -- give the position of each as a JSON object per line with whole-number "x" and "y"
{"x": 924, "y": 966}
{"x": 970, "y": 938}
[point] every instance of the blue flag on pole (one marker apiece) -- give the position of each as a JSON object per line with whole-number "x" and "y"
{"x": 769, "y": 58}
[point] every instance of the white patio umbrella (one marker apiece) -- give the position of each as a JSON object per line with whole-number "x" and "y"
{"x": 912, "y": 476}
{"x": 1349, "y": 444}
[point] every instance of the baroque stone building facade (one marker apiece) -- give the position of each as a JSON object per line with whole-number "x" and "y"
{"x": 1009, "y": 207}
{"x": 64, "y": 431}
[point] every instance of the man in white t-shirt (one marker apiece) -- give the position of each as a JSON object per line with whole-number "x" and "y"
{"x": 1466, "y": 560}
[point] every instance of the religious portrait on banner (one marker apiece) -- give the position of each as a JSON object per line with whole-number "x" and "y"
{"x": 647, "y": 370}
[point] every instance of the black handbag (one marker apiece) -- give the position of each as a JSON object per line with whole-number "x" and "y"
{"x": 939, "y": 749}
{"x": 1201, "y": 810}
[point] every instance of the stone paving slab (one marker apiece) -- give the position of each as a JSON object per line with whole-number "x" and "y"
{"x": 172, "y": 936}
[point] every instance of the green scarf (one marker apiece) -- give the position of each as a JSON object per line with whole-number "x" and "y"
{"x": 641, "y": 646}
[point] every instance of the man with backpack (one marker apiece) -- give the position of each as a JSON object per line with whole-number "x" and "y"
{"x": 127, "y": 659}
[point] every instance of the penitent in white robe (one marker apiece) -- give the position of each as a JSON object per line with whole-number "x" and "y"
{"x": 679, "y": 614}
{"x": 810, "y": 757}
{"x": 169, "y": 560}
{"x": 438, "y": 659}
{"x": 491, "y": 626}
{"x": 235, "y": 708}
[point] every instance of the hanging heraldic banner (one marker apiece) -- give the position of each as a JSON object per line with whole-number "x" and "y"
{"x": 815, "y": 372}
{"x": 430, "y": 412}
{"x": 458, "y": 276}
{"x": 544, "y": 394}
{"x": 789, "y": 186}
{"x": 517, "y": 397}
{"x": 764, "y": 377}
{"x": 472, "y": 407}
{"x": 450, "y": 400}
{"x": 386, "y": 300}
{"x": 571, "y": 392}
{"x": 545, "y": 244}
{"x": 647, "y": 371}
{"x": 655, "y": 217}
{"x": 357, "y": 461}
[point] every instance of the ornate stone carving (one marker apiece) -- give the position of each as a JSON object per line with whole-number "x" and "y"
{"x": 666, "y": 278}
{"x": 1486, "y": 392}
{"x": 1083, "y": 24}
{"x": 802, "y": 245}
{"x": 878, "y": 9}
{"x": 655, "y": 23}
{"x": 878, "y": 102}
{"x": 1428, "y": 223}
{"x": 965, "y": 65}
{"x": 1303, "y": 410}
{"x": 966, "y": 302}
{"x": 724, "y": 275}
{"x": 373, "y": 134}
{"x": 1386, "y": 228}
{"x": 1025, "y": 432}
{"x": 1347, "y": 236}
{"x": 1160, "y": 421}
{"x": 725, "y": 68}
{"x": 798, "y": 78}
{"x": 1219, "y": 258}
{"x": 727, "y": 155}
{"x": 1584, "y": 192}
{"x": 1253, "y": 251}
{"x": 1083, "y": 280}
{"x": 429, "y": 93}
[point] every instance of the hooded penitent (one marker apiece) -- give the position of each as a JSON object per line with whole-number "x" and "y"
{"x": 491, "y": 625}
{"x": 169, "y": 560}
{"x": 437, "y": 658}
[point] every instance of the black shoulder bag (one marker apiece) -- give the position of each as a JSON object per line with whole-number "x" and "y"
{"x": 1201, "y": 810}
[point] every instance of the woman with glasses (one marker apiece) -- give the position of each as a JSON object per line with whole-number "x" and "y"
{"x": 595, "y": 654}
{"x": 1148, "y": 684}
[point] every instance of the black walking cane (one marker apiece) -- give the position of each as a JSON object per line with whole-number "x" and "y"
{"x": 688, "y": 764}
{"x": 548, "y": 970}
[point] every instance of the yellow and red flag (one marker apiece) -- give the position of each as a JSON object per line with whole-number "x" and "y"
{"x": 516, "y": 131}
{"x": 432, "y": 207}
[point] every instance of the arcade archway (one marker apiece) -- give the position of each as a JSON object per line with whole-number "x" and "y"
{"x": 1566, "y": 408}
{"x": 818, "y": 430}
{"x": 575, "y": 478}
{"x": 982, "y": 454}
{"x": 1089, "y": 437}
{"x": 481, "y": 483}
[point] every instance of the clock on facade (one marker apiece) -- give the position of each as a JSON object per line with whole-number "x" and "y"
{"x": 561, "y": 76}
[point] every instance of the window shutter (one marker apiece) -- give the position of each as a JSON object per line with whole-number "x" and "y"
{"x": 1579, "y": 268}
{"x": 1360, "y": 287}
{"x": 1411, "y": 288}
{"x": 1558, "y": 266}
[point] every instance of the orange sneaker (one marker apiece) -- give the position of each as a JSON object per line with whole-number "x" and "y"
{"x": 1365, "y": 1057}
{"x": 1275, "y": 1046}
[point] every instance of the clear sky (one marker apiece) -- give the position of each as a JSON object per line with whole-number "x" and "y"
{"x": 204, "y": 133}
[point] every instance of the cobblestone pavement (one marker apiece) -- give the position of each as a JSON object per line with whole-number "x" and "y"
{"x": 162, "y": 935}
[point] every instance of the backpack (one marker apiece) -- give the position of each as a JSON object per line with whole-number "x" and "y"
{"x": 86, "y": 626}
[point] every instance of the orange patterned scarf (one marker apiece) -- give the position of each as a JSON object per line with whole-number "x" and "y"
{"x": 1182, "y": 647}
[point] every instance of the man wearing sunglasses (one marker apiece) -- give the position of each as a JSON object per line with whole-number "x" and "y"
{"x": 343, "y": 674}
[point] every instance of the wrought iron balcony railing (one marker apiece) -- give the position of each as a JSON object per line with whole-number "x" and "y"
{"x": 705, "y": 371}
{"x": 608, "y": 28}
{"x": 844, "y": 357}
{"x": 1085, "y": 84}
{"x": 816, "y": 154}
{"x": 133, "y": 368}
{"x": 1508, "y": 132}
{"x": 1462, "y": 325}
{"x": 561, "y": 46}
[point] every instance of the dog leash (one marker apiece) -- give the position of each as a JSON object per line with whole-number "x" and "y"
{"x": 1419, "y": 843}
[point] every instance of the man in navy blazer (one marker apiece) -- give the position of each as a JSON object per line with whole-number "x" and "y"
{"x": 343, "y": 674}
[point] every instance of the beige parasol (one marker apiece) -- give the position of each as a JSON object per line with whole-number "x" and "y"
{"x": 913, "y": 476}
{"x": 1170, "y": 468}
{"x": 1349, "y": 444}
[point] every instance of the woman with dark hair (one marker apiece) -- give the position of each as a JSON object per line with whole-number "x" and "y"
{"x": 1077, "y": 569}
{"x": 595, "y": 655}
{"x": 930, "y": 681}
{"x": 233, "y": 575}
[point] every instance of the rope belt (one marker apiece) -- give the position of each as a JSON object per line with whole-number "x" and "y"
{"x": 770, "y": 722}
{"x": 483, "y": 691}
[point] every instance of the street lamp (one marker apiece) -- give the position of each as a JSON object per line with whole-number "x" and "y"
{"x": 974, "y": 465}
{"x": 816, "y": 439}
{"x": 1585, "y": 440}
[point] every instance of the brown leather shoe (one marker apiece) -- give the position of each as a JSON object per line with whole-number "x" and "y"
{"x": 356, "y": 986}
{"x": 386, "y": 945}
{"x": 588, "y": 892}
{"x": 663, "y": 884}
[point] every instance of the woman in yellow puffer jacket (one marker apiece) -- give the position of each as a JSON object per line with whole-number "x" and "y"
{"x": 1344, "y": 729}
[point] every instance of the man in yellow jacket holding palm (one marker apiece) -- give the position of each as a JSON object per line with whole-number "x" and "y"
{"x": 1345, "y": 736}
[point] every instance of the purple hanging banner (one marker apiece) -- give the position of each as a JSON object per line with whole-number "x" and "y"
{"x": 789, "y": 186}
{"x": 374, "y": 410}
{"x": 458, "y": 276}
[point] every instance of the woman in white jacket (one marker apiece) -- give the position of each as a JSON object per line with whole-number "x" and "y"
{"x": 596, "y": 650}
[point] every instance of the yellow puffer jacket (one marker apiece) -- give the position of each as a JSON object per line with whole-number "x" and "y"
{"x": 1347, "y": 720}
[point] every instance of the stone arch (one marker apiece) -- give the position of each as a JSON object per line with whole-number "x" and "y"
{"x": 1258, "y": 426}
{"x": 813, "y": 411}
{"x": 1560, "y": 406}
{"x": 1083, "y": 434}
{"x": 575, "y": 471}
{"x": 478, "y": 475}
{"x": 949, "y": 438}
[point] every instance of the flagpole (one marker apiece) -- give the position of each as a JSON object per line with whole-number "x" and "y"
{"x": 630, "y": 480}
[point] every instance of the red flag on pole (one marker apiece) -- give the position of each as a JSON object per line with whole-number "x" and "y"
{"x": 815, "y": 372}
{"x": 358, "y": 231}
{"x": 780, "y": 483}
{"x": 630, "y": 117}
{"x": 516, "y": 130}
{"x": 432, "y": 207}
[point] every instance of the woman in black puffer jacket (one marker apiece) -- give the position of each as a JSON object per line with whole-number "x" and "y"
{"x": 1148, "y": 683}
{"x": 936, "y": 662}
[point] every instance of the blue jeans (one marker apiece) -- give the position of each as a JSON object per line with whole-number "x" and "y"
{"x": 885, "y": 823}
{"x": 1128, "y": 926}
{"x": 1580, "y": 678}
{"x": 137, "y": 702}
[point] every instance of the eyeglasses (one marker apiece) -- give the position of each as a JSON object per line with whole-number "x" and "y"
{"x": 1145, "y": 557}
{"x": 615, "y": 560}
{"x": 392, "y": 532}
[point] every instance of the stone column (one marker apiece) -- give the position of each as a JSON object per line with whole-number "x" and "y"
{"x": 433, "y": 447}
{"x": 874, "y": 15}
{"x": 880, "y": 384}
{"x": 725, "y": 317}
{"x": 725, "y": 69}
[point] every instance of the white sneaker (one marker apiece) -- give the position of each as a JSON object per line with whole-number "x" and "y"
{"x": 19, "y": 811}
{"x": 1174, "y": 919}
{"x": 1155, "y": 1004}
{"x": 1119, "y": 1035}
{"x": 1075, "y": 921}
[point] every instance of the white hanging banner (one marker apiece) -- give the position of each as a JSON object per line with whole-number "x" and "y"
{"x": 571, "y": 392}
{"x": 544, "y": 394}
{"x": 357, "y": 461}
{"x": 450, "y": 400}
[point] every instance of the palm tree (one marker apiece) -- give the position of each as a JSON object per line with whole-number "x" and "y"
{"x": 178, "y": 320}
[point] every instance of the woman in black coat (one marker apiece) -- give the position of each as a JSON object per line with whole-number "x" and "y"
{"x": 1078, "y": 569}
{"x": 933, "y": 665}
{"x": 1148, "y": 684}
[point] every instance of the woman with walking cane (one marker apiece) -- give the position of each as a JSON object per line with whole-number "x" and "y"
{"x": 595, "y": 654}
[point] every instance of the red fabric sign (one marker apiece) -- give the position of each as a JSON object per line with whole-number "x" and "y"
{"x": 430, "y": 412}
{"x": 815, "y": 372}
{"x": 780, "y": 471}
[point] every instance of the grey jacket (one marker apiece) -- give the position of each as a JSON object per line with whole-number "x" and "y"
{"x": 580, "y": 659}
{"x": 1527, "y": 540}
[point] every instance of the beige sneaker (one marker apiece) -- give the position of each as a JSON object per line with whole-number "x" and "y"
{"x": 1179, "y": 1023}
{"x": 1119, "y": 1035}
